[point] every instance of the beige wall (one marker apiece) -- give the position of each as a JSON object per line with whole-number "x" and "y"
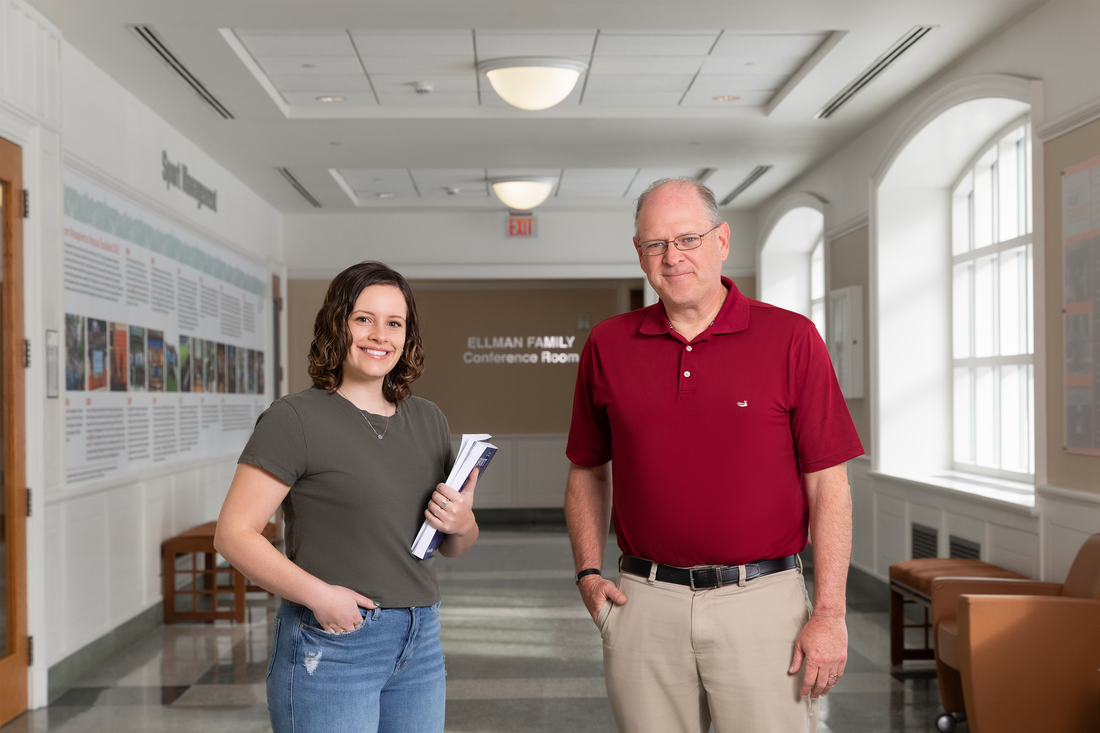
{"x": 1065, "y": 470}
{"x": 848, "y": 265}
{"x": 504, "y": 399}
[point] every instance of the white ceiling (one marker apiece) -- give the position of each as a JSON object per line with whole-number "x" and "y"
{"x": 372, "y": 69}
{"x": 644, "y": 109}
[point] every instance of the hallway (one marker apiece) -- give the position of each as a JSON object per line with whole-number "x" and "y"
{"x": 521, "y": 656}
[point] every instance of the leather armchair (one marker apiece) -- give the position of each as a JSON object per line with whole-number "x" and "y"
{"x": 1020, "y": 655}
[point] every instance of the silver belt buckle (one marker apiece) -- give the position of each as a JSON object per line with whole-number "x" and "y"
{"x": 717, "y": 574}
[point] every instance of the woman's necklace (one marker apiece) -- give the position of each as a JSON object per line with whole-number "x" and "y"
{"x": 361, "y": 413}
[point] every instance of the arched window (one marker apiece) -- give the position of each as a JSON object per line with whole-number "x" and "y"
{"x": 993, "y": 386}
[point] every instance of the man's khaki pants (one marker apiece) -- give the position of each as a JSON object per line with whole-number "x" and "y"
{"x": 678, "y": 660}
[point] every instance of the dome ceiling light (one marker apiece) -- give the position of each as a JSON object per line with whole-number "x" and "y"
{"x": 523, "y": 193}
{"x": 532, "y": 82}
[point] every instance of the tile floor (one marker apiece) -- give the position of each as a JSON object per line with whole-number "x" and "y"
{"x": 522, "y": 655}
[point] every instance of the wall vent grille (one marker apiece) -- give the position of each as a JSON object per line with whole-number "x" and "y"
{"x": 964, "y": 549}
{"x": 147, "y": 34}
{"x": 285, "y": 172}
{"x": 869, "y": 74}
{"x": 926, "y": 541}
{"x": 750, "y": 179}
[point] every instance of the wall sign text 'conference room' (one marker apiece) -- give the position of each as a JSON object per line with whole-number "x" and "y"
{"x": 520, "y": 342}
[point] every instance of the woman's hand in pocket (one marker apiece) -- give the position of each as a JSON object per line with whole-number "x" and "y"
{"x": 338, "y": 611}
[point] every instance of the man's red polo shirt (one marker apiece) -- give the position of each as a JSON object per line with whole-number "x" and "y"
{"x": 709, "y": 440}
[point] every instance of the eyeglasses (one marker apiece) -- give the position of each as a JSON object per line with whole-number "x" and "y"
{"x": 683, "y": 242}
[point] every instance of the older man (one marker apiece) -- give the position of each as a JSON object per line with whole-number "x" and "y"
{"x": 729, "y": 437}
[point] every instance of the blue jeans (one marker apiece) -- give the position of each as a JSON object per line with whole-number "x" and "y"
{"x": 386, "y": 676}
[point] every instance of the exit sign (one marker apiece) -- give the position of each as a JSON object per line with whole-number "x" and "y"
{"x": 521, "y": 225}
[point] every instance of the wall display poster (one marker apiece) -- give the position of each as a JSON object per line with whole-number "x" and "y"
{"x": 165, "y": 340}
{"x": 1081, "y": 305}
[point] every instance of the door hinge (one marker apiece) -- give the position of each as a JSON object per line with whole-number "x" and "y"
{"x": 26, "y": 203}
{"x": 30, "y": 651}
{"x": 29, "y": 510}
{"x": 27, "y": 353}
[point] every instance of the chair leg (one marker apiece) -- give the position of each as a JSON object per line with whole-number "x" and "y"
{"x": 897, "y": 628}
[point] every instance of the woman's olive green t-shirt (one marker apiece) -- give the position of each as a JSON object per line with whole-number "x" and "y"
{"x": 356, "y": 502}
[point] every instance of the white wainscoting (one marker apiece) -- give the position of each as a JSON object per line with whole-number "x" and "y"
{"x": 528, "y": 471}
{"x": 1040, "y": 541}
{"x": 102, "y": 547}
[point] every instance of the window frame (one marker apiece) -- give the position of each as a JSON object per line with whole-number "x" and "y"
{"x": 1025, "y": 219}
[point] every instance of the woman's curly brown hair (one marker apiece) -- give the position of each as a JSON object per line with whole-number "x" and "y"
{"x": 332, "y": 336}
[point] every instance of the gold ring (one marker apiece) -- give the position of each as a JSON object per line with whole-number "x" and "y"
{"x": 834, "y": 675}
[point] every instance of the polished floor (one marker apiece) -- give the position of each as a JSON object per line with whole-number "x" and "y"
{"x": 522, "y": 655}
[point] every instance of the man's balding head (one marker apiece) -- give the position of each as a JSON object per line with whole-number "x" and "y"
{"x": 705, "y": 195}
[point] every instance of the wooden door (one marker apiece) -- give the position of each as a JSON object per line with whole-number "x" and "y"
{"x": 14, "y": 658}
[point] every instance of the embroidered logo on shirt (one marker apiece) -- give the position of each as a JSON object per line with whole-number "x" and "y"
{"x": 745, "y": 403}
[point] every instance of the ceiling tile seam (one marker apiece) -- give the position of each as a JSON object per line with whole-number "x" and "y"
{"x": 345, "y": 186}
{"x": 363, "y": 66}
{"x": 413, "y": 180}
{"x": 588, "y": 71}
{"x": 633, "y": 178}
{"x": 557, "y": 186}
{"x": 477, "y": 74}
{"x": 702, "y": 63}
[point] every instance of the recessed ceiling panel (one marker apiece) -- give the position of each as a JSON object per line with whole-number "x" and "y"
{"x": 697, "y": 98}
{"x": 451, "y": 182}
{"x": 419, "y": 65}
{"x": 645, "y": 65}
{"x": 414, "y": 43}
{"x": 615, "y": 44}
{"x": 500, "y": 44}
{"x": 438, "y": 82}
{"x": 785, "y": 65}
{"x": 595, "y": 182}
{"x": 409, "y": 98}
{"x": 735, "y": 83}
{"x": 646, "y": 84}
{"x": 310, "y": 99}
{"x": 633, "y": 99}
{"x": 309, "y": 65}
{"x": 764, "y": 46}
{"x": 299, "y": 43}
{"x": 321, "y": 84}
{"x": 370, "y": 182}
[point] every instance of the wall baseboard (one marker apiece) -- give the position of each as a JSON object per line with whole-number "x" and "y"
{"x": 70, "y": 670}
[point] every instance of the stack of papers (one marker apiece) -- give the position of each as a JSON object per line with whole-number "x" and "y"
{"x": 474, "y": 452}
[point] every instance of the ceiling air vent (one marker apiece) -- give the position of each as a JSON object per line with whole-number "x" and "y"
{"x": 925, "y": 541}
{"x": 285, "y": 172}
{"x": 964, "y": 549}
{"x": 871, "y": 72}
{"x": 149, "y": 35}
{"x": 750, "y": 179}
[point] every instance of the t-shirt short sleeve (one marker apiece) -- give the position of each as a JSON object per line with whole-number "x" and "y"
{"x": 589, "y": 442}
{"x": 821, "y": 425}
{"x": 278, "y": 443}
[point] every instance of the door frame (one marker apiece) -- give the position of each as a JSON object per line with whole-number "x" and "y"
{"x": 14, "y": 667}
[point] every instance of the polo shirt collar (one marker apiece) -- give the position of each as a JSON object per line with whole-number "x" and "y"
{"x": 733, "y": 316}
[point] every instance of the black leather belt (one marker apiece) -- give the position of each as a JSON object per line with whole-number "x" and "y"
{"x": 711, "y": 576}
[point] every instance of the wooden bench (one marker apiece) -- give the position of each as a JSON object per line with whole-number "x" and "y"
{"x": 911, "y": 582}
{"x": 215, "y": 592}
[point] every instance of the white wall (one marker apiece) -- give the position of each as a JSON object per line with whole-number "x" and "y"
{"x": 474, "y": 245}
{"x": 1054, "y": 44}
{"x": 95, "y": 551}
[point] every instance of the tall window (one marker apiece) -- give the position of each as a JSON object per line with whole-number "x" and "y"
{"x": 817, "y": 287}
{"x": 992, "y": 330}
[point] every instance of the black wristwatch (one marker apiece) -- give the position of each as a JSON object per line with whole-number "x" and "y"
{"x": 586, "y": 571}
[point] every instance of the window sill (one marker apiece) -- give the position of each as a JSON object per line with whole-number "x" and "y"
{"x": 985, "y": 489}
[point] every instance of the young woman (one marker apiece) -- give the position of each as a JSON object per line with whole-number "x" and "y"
{"x": 353, "y": 461}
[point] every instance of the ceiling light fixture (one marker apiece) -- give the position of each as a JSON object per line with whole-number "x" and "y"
{"x": 726, "y": 98}
{"x": 386, "y": 195}
{"x": 330, "y": 99}
{"x": 532, "y": 82}
{"x": 522, "y": 193}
